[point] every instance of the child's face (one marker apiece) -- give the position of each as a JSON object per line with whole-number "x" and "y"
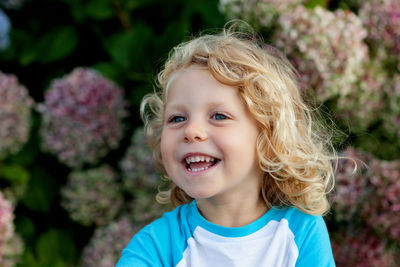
{"x": 208, "y": 142}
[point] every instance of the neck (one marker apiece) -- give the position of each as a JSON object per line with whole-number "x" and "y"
{"x": 232, "y": 213}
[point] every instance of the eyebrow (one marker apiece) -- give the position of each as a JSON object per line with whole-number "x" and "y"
{"x": 213, "y": 104}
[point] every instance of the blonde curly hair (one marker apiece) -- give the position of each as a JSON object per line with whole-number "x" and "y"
{"x": 294, "y": 153}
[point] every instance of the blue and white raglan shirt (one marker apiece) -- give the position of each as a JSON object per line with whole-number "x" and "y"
{"x": 183, "y": 237}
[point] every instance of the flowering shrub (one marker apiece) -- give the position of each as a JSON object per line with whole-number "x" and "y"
{"x": 360, "y": 249}
{"x": 265, "y": 12}
{"x": 6, "y": 222}
{"x": 104, "y": 249}
{"x": 15, "y": 114}
{"x": 4, "y": 30}
{"x": 92, "y": 196}
{"x": 372, "y": 192}
{"x": 351, "y": 184}
{"x": 139, "y": 170}
{"x": 369, "y": 196}
{"x": 382, "y": 20}
{"x": 383, "y": 206}
{"x": 10, "y": 243}
{"x": 326, "y": 48}
{"x": 365, "y": 98}
{"x": 144, "y": 208}
{"x": 82, "y": 117}
{"x": 141, "y": 180}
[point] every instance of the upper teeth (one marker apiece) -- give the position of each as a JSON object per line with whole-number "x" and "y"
{"x": 199, "y": 159}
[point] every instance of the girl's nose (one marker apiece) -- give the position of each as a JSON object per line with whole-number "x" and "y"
{"x": 195, "y": 132}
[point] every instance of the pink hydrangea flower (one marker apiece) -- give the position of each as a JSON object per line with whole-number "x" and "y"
{"x": 326, "y": 47}
{"x": 81, "y": 117}
{"x": 11, "y": 245}
{"x": 142, "y": 180}
{"x": 382, "y": 20}
{"x": 370, "y": 194}
{"x": 93, "y": 196}
{"x": 104, "y": 249}
{"x": 15, "y": 115}
{"x": 259, "y": 13}
{"x": 352, "y": 248}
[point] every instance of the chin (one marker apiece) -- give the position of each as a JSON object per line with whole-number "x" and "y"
{"x": 200, "y": 194}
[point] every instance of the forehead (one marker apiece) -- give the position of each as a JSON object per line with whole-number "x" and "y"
{"x": 196, "y": 84}
{"x": 176, "y": 74}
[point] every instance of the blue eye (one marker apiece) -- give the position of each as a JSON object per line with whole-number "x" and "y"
{"x": 176, "y": 119}
{"x": 219, "y": 116}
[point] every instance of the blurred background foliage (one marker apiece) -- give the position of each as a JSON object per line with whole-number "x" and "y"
{"x": 73, "y": 192}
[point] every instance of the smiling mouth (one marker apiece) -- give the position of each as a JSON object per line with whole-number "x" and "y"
{"x": 200, "y": 163}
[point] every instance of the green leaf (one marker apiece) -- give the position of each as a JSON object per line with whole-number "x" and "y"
{"x": 25, "y": 227}
{"x": 107, "y": 69}
{"x": 208, "y": 11}
{"x": 57, "y": 44}
{"x": 14, "y": 173}
{"x": 41, "y": 193}
{"x": 54, "y": 246}
{"x": 139, "y": 92}
{"x": 99, "y": 9}
{"x": 131, "y": 5}
{"x": 173, "y": 34}
{"x": 27, "y": 56}
{"x": 76, "y": 8}
{"x": 30, "y": 260}
{"x": 129, "y": 49}
{"x": 314, "y": 3}
{"x": 24, "y": 46}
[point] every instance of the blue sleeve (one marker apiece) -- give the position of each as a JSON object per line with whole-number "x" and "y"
{"x": 141, "y": 251}
{"x": 161, "y": 243}
{"x": 149, "y": 247}
{"x": 315, "y": 246}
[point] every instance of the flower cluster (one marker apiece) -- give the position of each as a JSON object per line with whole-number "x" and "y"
{"x": 6, "y": 222}
{"x": 326, "y": 48}
{"x": 92, "y": 196}
{"x": 82, "y": 117}
{"x": 141, "y": 179}
{"x": 144, "y": 208}
{"x": 351, "y": 184}
{"x": 365, "y": 99}
{"x": 139, "y": 170}
{"x": 382, "y": 20}
{"x": 10, "y": 243}
{"x": 4, "y": 30}
{"x": 371, "y": 193}
{"x": 104, "y": 249}
{"x": 12, "y": 252}
{"x": 15, "y": 114}
{"x": 265, "y": 12}
{"x": 364, "y": 249}
{"x": 383, "y": 206}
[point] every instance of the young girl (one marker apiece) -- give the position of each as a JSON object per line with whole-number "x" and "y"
{"x": 249, "y": 173}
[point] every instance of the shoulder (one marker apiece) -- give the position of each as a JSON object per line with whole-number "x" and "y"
{"x": 311, "y": 237}
{"x": 298, "y": 220}
{"x": 152, "y": 245}
{"x": 166, "y": 222}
